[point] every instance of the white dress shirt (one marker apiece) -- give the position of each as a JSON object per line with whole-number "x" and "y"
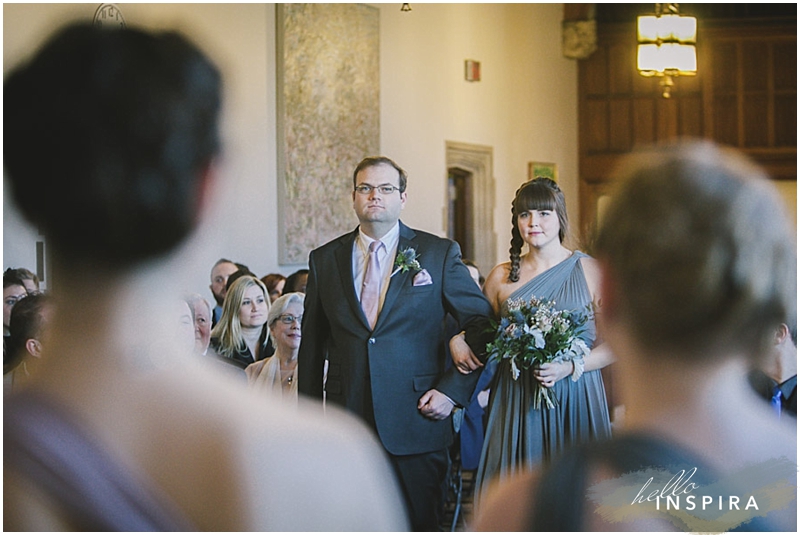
{"x": 386, "y": 256}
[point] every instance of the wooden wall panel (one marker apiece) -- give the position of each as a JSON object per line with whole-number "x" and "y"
{"x": 755, "y": 65}
{"x": 690, "y": 113}
{"x": 620, "y": 125}
{"x": 596, "y": 133}
{"x": 723, "y": 67}
{"x": 667, "y": 120}
{"x": 644, "y": 122}
{"x": 744, "y": 95}
{"x": 726, "y": 119}
{"x": 785, "y": 54}
{"x": 594, "y": 73}
{"x": 756, "y": 120}
{"x": 786, "y": 121}
{"x": 620, "y": 58}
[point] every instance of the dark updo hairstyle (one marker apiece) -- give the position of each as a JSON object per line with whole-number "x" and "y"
{"x": 534, "y": 195}
{"x": 106, "y": 137}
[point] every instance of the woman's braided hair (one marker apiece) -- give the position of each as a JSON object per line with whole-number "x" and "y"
{"x": 537, "y": 194}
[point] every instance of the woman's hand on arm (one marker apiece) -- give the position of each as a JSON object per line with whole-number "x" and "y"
{"x": 464, "y": 359}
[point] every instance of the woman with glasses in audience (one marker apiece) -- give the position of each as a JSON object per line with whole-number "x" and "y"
{"x": 241, "y": 334}
{"x": 278, "y": 373}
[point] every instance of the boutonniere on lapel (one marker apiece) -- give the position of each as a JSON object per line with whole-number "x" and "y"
{"x": 408, "y": 259}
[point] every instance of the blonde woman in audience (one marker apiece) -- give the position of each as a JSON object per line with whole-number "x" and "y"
{"x": 698, "y": 265}
{"x": 278, "y": 373}
{"x": 241, "y": 334}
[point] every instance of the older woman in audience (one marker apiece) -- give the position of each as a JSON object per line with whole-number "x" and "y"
{"x": 201, "y": 309}
{"x": 275, "y": 283}
{"x": 185, "y": 330}
{"x": 278, "y": 373}
{"x": 241, "y": 334}
{"x": 698, "y": 265}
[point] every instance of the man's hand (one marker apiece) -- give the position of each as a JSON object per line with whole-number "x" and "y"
{"x": 464, "y": 359}
{"x": 435, "y": 405}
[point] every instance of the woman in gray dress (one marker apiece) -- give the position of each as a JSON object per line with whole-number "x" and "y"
{"x": 698, "y": 267}
{"x": 518, "y": 435}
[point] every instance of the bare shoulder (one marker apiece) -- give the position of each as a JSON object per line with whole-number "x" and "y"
{"x": 266, "y": 455}
{"x": 592, "y": 272}
{"x": 506, "y": 505}
{"x": 495, "y": 283}
{"x": 327, "y": 464}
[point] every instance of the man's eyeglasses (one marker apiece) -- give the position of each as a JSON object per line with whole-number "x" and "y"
{"x": 384, "y": 189}
{"x": 288, "y": 319}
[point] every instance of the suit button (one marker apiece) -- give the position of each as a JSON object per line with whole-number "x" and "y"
{"x": 371, "y": 341}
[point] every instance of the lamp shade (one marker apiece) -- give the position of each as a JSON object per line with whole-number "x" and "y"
{"x": 672, "y": 58}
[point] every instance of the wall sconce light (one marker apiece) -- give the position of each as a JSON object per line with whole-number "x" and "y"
{"x": 405, "y": 7}
{"x": 667, "y": 45}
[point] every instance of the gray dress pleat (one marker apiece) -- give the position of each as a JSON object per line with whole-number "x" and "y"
{"x": 520, "y": 437}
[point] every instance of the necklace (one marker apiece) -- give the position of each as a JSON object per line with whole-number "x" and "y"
{"x": 289, "y": 379}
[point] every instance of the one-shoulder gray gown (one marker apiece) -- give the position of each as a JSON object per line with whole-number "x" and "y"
{"x": 517, "y": 435}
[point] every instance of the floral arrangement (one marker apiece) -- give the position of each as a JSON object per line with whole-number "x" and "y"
{"x": 406, "y": 259}
{"x": 533, "y": 333}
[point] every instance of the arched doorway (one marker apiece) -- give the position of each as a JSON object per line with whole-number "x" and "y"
{"x": 470, "y": 202}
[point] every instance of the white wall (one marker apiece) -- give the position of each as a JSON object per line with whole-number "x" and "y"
{"x": 525, "y": 107}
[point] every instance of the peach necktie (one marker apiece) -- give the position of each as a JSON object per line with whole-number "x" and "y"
{"x": 371, "y": 289}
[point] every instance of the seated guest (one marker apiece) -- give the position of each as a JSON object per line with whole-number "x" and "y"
{"x": 29, "y": 279}
{"x": 278, "y": 373}
{"x": 471, "y": 431}
{"x": 296, "y": 282}
{"x": 242, "y": 334}
{"x": 13, "y": 290}
{"x": 222, "y": 269}
{"x": 185, "y": 327}
{"x": 475, "y": 272}
{"x": 28, "y": 321}
{"x": 775, "y": 375}
{"x": 243, "y": 270}
{"x": 698, "y": 265}
{"x": 274, "y": 283}
{"x": 201, "y": 310}
{"x": 121, "y": 432}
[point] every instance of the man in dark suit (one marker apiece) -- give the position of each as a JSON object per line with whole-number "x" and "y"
{"x": 376, "y": 312}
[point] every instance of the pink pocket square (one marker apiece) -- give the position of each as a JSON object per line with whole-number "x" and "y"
{"x": 423, "y": 278}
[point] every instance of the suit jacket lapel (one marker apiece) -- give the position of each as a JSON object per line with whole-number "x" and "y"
{"x": 398, "y": 280}
{"x": 344, "y": 261}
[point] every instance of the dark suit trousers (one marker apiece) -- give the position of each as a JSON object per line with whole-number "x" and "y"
{"x": 422, "y": 478}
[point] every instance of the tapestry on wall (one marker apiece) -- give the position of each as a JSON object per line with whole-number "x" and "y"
{"x": 328, "y": 118}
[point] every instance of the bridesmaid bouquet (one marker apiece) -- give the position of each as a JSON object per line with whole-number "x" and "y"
{"x": 533, "y": 333}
